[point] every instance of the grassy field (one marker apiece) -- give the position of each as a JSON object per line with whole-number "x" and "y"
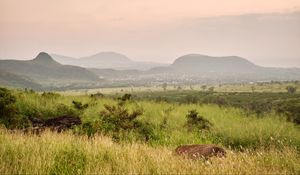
{"x": 53, "y": 153}
{"x": 264, "y": 144}
{"x": 246, "y": 87}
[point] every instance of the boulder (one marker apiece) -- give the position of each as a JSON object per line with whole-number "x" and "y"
{"x": 200, "y": 151}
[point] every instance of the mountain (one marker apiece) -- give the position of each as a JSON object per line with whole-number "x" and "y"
{"x": 230, "y": 68}
{"x": 45, "y": 71}
{"x": 12, "y": 80}
{"x": 196, "y": 63}
{"x": 105, "y": 60}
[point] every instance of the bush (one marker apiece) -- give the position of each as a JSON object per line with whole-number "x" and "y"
{"x": 118, "y": 122}
{"x": 8, "y": 112}
{"x": 97, "y": 95}
{"x": 50, "y": 95}
{"x": 197, "y": 122}
{"x": 78, "y": 105}
{"x": 291, "y": 109}
{"x": 125, "y": 97}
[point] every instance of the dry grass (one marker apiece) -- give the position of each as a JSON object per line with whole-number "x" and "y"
{"x": 53, "y": 153}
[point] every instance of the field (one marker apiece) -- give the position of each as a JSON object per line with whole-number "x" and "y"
{"x": 138, "y": 133}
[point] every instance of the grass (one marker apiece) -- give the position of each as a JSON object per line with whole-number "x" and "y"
{"x": 265, "y": 144}
{"x": 53, "y": 153}
{"x": 232, "y": 127}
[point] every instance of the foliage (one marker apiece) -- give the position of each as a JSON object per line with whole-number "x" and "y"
{"x": 197, "y": 122}
{"x": 78, "y": 105}
{"x": 8, "y": 112}
{"x": 50, "y": 95}
{"x": 125, "y": 97}
{"x": 117, "y": 121}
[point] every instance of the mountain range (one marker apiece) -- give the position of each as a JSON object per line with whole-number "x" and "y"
{"x": 112, "y": 69}
{"x": 106, "y": 60}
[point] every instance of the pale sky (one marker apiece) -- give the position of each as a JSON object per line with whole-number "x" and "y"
{"x": 153, "y": 30}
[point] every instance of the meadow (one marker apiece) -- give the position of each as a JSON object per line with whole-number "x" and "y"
{"x": 137, "y": 135}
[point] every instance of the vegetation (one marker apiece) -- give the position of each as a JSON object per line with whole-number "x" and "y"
{"x": 65, "y": 153}
{"x": 126, "y": 133}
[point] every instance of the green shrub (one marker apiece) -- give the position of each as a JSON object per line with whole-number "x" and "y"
{"x": 197, "y": 122}
{"x": 117, "y": 121}
{"x": 125, "y": 97}
{"x": 78, "y": 105}
{"x": 50, "y": 95}
{"x": 8, "y": 111}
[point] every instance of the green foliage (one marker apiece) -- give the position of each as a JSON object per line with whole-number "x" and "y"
{"x": 117, "y": 121}
{"x": 197, "y": 122}
{"x": 97, "y": 95}
{"x": 8, "y": 112}
{"x": 7, "y": 101}
{"x": 88, "y": 128}
{"x": 211, "y": 89}
{"x": 78, "y": 105}
{"x": 291, "y": 109}
{"x": 50, "y": 95}
{"x": 125, "y": 97}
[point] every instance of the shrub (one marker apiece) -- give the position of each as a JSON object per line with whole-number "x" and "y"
{"x": 50, "y": 95}
{"x": 97, "y": 95}
{"x": 291, "y": 109}
{"x": 8, "y": 112}
{"x": 125, "y": 97}
{"x": 78, "y": 105}
{"x": 117, "y": 121}
{"x": 197, "y": 122}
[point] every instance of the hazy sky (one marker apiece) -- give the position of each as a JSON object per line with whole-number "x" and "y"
{"x": 264, "y": 31}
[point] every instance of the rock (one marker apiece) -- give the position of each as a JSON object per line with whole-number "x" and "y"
{"x": 59, "y": 123}
{"x": 200, "y": 151}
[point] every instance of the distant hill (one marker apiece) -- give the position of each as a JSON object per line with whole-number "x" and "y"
{"x": 197, "y": 68}
{"x": 106, "y": 60}
{"x": 196, "y": 63}
{"x": 44, "y": 70}
{"x": 12, "y": 80}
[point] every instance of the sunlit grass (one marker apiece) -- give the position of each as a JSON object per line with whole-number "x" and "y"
{"x": 69, "y": 154}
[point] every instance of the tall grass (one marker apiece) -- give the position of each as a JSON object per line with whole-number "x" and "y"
{"x": 53, "y": 153}
{"x": 231, "y": 126}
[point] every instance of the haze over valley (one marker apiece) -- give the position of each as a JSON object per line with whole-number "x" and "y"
{"x": 111, "y": 69}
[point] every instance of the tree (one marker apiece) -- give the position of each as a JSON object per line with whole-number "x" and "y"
{"x": 164, "y": 86}
{"x": 7, "y": 107}
{"x": 291, "y": 89}
{"x": 203, "y": 87}
{"x": 211, "y": 89}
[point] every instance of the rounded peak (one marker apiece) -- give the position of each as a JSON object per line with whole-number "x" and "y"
{"x": 109, "y": 56}
{"x": 44, "y": 57}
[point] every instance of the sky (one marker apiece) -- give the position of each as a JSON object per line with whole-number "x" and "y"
{"x": 264, "y": 32}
